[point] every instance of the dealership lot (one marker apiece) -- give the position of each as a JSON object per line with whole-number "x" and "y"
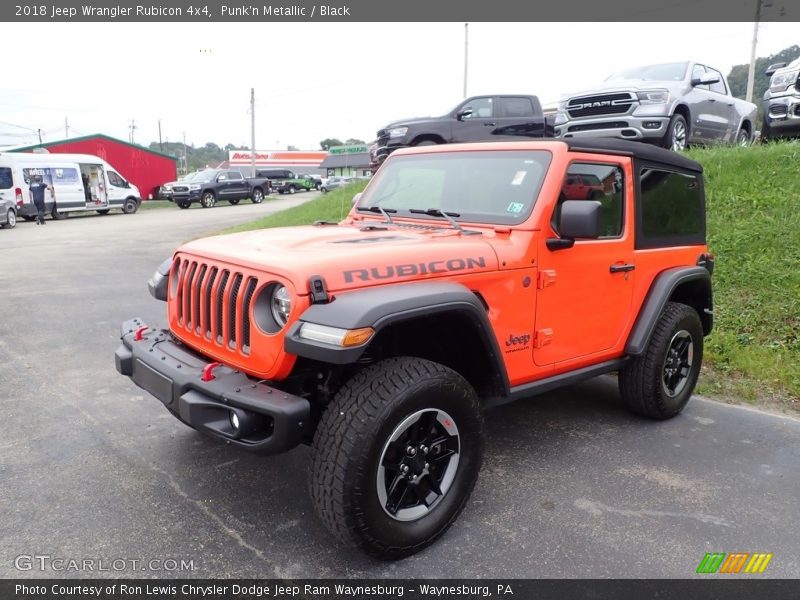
{"x": 92, "y": 467}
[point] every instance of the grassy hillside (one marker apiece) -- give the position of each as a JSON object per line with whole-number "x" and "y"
{"x": 754, "y": 230}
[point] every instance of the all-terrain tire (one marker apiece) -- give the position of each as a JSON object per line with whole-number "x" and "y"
{"x": 677, "y": 136}
{"x": 354, "y": 453}
{"x": 645, "y": 382}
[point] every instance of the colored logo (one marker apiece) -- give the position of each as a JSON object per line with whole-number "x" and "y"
{"x": 734, "y": 563}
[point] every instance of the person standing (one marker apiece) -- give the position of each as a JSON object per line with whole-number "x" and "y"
{"x": 37, "y": 188}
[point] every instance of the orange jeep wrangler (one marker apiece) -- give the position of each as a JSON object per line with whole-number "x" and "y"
{"x": 463, "y": 278}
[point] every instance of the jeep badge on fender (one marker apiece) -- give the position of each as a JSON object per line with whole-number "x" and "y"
{"x": 380, "y": 341}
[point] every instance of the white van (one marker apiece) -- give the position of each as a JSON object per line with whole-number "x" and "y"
{"x": 80, "y": 182}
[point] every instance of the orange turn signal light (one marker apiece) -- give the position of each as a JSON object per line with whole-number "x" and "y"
{"x": 356, "y": 337}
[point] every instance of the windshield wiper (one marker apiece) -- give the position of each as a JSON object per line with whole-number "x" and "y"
{"x": 435, "y": 212}
{"x": 379, "y": 209}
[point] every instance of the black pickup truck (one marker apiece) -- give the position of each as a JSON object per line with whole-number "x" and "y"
{"x": 209, "y": 185}
{"x": 476, "y": 119}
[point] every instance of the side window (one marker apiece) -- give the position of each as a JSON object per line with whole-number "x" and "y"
{"x": 718, "y": 87}
{"x": 601, "y": 182}
{"x": 697, "y": 72}
{"x": 115, "y": 179}
{"x": 235, "y": 176}
{"x": 672, "y": 210}
{"x": 222, "y": 177}
{"x": 515, "y": 107}
{"x": 481, "y": 108}
{"x": 6, "y": 180}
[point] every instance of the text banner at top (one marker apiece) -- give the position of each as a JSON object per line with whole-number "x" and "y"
{"x": 205, "y": 11}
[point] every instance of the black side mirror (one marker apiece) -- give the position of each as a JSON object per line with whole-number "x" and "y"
{"x": 706, "y": 79}
{"x": 578, "y": 219}
{"x": 774, "y": 67}
{"x": 464, "y": 113}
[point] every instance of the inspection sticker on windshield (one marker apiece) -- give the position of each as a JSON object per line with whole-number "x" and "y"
{"x": 519, "y": 176}
{"x": 515, "y": 207}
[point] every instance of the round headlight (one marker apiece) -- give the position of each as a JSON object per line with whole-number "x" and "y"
{"x": 281, "y": 305}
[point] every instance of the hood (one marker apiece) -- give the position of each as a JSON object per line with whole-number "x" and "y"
{"x": 627, "y": 84}
{"x": 348, "y": 256}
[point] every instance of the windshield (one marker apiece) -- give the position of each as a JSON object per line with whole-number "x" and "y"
{"x": 189, "y": 177}
{"x": 663, "y": 72}
{"x": 497, "y": 187}
{"x": 207, "y": 175}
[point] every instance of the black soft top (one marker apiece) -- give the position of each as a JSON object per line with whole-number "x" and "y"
{"x": 638, "y": 150}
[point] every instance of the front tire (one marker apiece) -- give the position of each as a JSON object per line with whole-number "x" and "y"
{"x": 396, "y": 456}
{"x": 130, "y": 206}
{"x": 677, "y": 135}
{"x": 292, "y": 189}
{"x": 208, "y": 200}
{"x": 743, "y": 138}
{"x": 658, "y": 383}
{"x": 184, "y": 205}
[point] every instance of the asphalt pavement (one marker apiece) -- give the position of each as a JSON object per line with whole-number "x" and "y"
{"x": 91, "y": 467}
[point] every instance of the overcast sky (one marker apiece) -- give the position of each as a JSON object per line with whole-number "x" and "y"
{"x": 317, "y": 80}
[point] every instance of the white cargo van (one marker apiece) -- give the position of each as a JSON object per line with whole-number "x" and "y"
{"x": 80, "y": 182}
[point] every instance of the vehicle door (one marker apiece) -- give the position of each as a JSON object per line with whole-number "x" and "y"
{"x": 585, "y": 291}
{"x": 701, "y": 108}
{"x": 238, "y": 186}
{"x": 222, "y": 189}
{"x": 118, "y": 188}
{"x": 518, "y": 117}
{"x": 65, "y": 180}
{"x": 475, "y": 120}
{"x": 726, "y": 119}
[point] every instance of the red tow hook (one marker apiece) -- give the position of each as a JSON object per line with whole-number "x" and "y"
{"x": 139, "y": 334}
{"x": 208, "y": 371}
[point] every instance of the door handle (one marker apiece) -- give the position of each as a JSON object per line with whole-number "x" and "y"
{"x": 620, "y": 268}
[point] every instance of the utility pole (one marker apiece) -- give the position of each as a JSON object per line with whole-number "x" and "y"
{"x": 185, "y": 159}
{"x": 253, "y": 132}
{"x": 66, "y": 128}
{"x": 39, "y": 131}
{"x": 160, "y": 143}
{"x": 466, "y": 55}
{"x": 133, "y": 129}
{"x": 751, "y": 73}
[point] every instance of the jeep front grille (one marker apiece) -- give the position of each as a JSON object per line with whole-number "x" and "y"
{"x": 214, "y": 303}
{"x": 600, "y": 104}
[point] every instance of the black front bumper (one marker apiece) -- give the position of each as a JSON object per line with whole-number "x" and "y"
{"x": 271, "y": 420}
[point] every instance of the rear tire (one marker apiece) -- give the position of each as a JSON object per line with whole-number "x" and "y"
{"x": 184, "y": 205}
{"x": 11, "y": 219}
{"x": 396, "y": 456}
{"x": 258, "y": 196}
{"x": 658, "y": 383}
{"x": 292, "y": 189}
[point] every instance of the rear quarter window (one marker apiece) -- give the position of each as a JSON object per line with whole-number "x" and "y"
{"x": 671, "y": 208}
{"x": 6, "y": 180}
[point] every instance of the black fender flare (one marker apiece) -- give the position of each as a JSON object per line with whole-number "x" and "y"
{"x": 388, "y": 305}
{"x": 662, "y": 291}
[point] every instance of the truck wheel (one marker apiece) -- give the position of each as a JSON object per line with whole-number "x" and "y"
{"x": 396, "y": 455}
{"x": 677, "y": 134}
{"x": 183, "y": 204}
{"x": 426, "y": 143}
{"x": 130, "y": 206}
{"x": 234, "y": 201}
{"x": 208, "y": 200}
{"x": 11, "y": 219}
{"x": 292, "y": 189}
{"x": 258, "y": 196}
{"x": 57, "y": 215}
{"x": 743, "y": 138}
{"x": 659, "y": 383}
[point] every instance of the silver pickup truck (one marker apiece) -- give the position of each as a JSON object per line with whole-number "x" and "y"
{"x": 672, "y": 105}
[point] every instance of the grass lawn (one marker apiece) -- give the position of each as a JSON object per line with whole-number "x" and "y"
{"x": 753, "y": 207}
{"x": 152, "y": 204}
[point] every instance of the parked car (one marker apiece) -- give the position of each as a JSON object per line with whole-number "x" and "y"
{"x": 380, "y": 345}
{"x": 210, "y": 185}
{"x": 671, "y": 105}
{"x": 782, "y": 102}
{"x": 476, "y": 119}
{"x": 317, "y": 179}
{"x": 335, "y": 182}
{"x": 8, "y": 211}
